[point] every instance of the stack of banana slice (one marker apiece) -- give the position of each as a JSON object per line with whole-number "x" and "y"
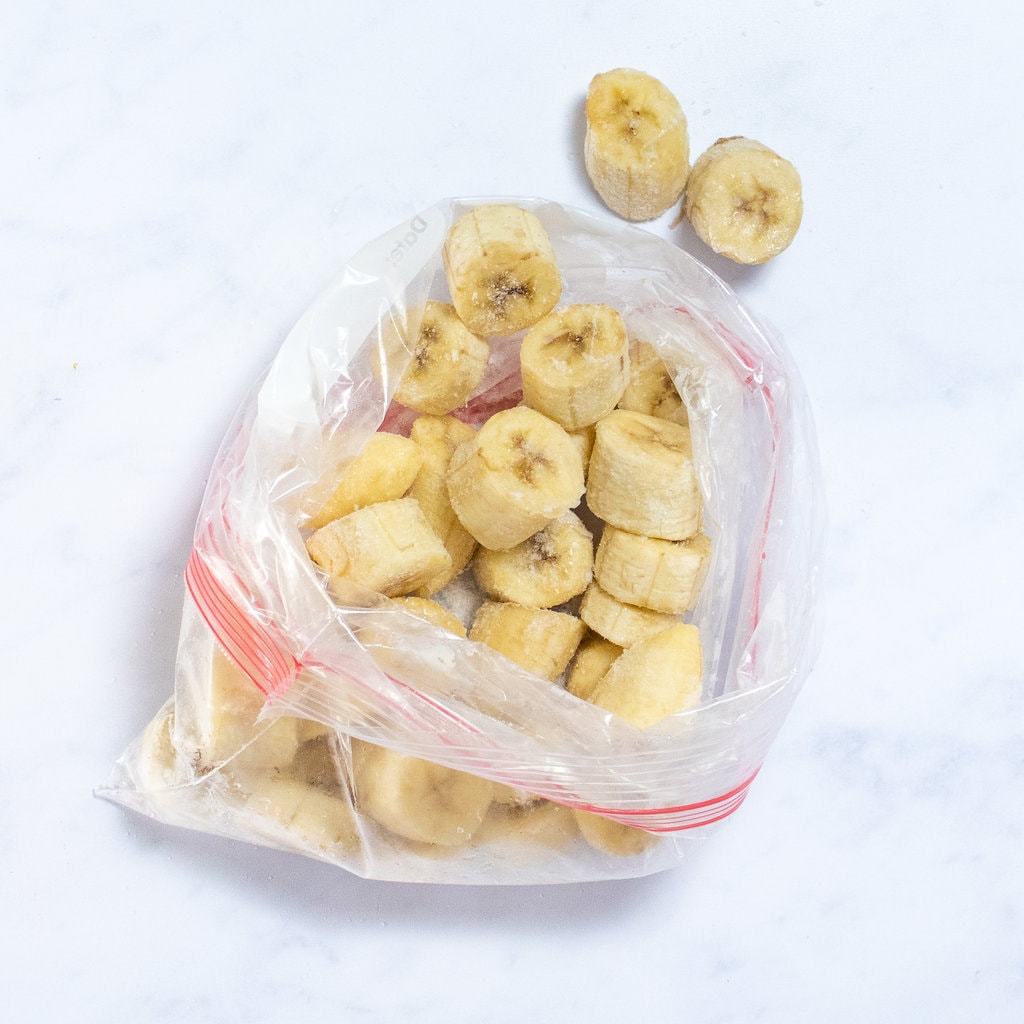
{"x": 576, "y": 517}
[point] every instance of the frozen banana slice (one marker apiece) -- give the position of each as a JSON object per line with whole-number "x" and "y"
{"x": 519, "y": 472}
{"x": 637, "y": 147}
{"x": 651, "y": 389}
{"x": 382, "y": 471}
{"x": 593, "y": 658}
{"x": 621, "y": 623}
{"x": 546, "y": 569}
{"x": 575, "y": 364}
{"x": 448, "y": 362}
{"x": 438, "y": 437}
{"x": 540, "y": 640}
{"x": 744, "y": 200}
{"x": 417, "y": 799}
{"x": 501, "y": 270}
{"x": 388, "y": 547}
{"x": 656, "y": 677}
{"x": 612, "y": 836}
{"x": 641, "y": 476}
{"x": 318, "y": 819}
{"x": 538, "y": 826}
{"x": 665, "y": 575}
{"x": 230, "y": 732}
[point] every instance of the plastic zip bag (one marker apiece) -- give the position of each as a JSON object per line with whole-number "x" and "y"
{"x": 283, "y": 698}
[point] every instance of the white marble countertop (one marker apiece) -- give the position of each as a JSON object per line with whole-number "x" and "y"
{"x": 177, "y": 183}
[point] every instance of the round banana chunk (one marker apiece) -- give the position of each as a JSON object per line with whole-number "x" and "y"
{"x": 519, "y": 472}
{"x": 744, "y": 200}
{"x": 575, "y": 364}
{"x": 546, "y": 569}
{"x": 612, "y": 836}
{"x": 538, "y": 639}
{"x": 417, "y": 799}
{"x": 621, "y": 623}
{"x": 641, "y": 476}
{"x": 665, "y": 575}
{"x": 501, "y": 270}
{"x": 637, "y": 147}
{"x": 448, "y": 362}
{"x": 318, "y": 820}
{"x": 388, "y": 548}
{"x": 656, "y": 677}
{"x": 382, "y": 471}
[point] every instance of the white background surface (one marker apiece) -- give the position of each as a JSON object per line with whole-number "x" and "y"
{"x": 178, "y": 181}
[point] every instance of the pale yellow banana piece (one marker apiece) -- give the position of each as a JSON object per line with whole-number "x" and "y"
{"x": 546, "y": 569}
{"x": 318, "y": 819}
{"x": 519, "y": 472}
{"x": 575, "y": 364}
{"x": 382, "y": 471}
{"x": 438, "y": 437}
{"x": 538, "y": 639}
{"x": 656, "y": 677}
{"x": 665, "y": 575}
{"x": 651, "y": 389}
{"x": 158, "y": 758}
{"x": 612, "y": 836}
{"x": 448, "y": 362}
{"x": 537, "y": 826}
{"x": 744, "y": 200}
{"x": 230, "y": 731}
{"x": 641, "y": 476}
{"x": 501, "y": 270}
{"x": 433, "y": 612}
{"x": 594, "y": 657}
{"x": 388, "y": 548}
{"x": 417, "y": 799}
{"x": 621, "y": 623}
{"x": 637, "y": 147}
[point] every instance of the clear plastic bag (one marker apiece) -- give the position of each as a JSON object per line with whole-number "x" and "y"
{"x": 305, "y": 679}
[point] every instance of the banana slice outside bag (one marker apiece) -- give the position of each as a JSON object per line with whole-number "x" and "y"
{"x": 288, "y": 708}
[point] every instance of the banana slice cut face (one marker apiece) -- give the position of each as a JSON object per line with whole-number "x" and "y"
{"x": 519, "y": 472}
{"x": 448, "y": 362}
{"x": 501, "y": 270}
{"x": 744, "y": 200}
{"x": 575, "y": 364}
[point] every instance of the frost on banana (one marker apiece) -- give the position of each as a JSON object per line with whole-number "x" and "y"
{"x": 658, "y": 676}
{"x": 575, "y": 364}
{"x": 621, "y": 623}
{"x": 544, "y": 570}
{"x": 540, "y": 640}
{"x": 388, "y": 548}
{"x": 447, "y": 364}
{"x": 382, "y": 471}
{"x": 501, "y": 270}
{"x": 744, "y": 200}
{"x": 641, "y": 476}
{"x": 636, "y": 148}
{"x": 519, "y": 472}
